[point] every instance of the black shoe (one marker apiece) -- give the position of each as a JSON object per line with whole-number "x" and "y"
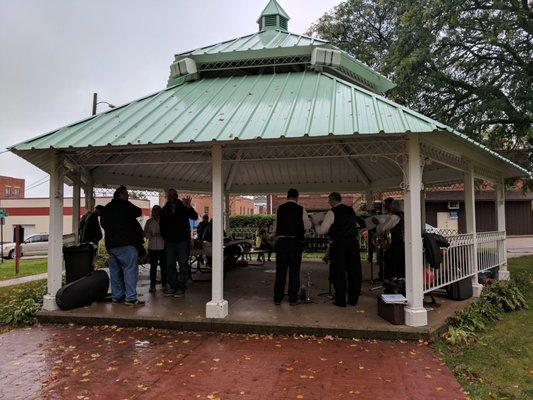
{"x": 295, "y": 302}
{"x": 169, "y": 293}
{"x": 339, "y": 305}
{"x": 134, "y": 303}
{"x": 277, "y": 303}
{"x": 119, "y": 301}
{"x": 353, "y": 302}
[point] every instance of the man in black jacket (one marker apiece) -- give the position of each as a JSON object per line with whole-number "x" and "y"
{"x": 340, "y": 224}
{"x": 123, "y": 237}
{"x": 176, "y": 231}
{"x": 91, "y": 231}
{"x": 291, "y": 223}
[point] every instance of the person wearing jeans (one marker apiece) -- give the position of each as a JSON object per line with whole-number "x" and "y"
{"x": 123, "y": 238}
{"x": 175, "y": 230}
{"x": 156, "y": 249}
{"x": 123, "y": 271}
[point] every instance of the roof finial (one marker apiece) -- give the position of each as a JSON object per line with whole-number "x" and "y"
{"x": 273, "y": 17}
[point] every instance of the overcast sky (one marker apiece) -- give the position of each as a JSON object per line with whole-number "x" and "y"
{"x": 54, "y": 54}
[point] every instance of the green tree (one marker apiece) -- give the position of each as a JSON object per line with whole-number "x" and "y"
{"x": 468, "y": 64}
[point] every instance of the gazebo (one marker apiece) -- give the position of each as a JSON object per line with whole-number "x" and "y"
{"x": 265, "y": 112}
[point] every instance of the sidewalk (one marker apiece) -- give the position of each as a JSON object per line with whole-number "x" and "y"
{"x": 22, "y": 279}
{"x": 79, "y": 362}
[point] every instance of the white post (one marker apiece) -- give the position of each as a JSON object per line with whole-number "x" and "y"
{"x": 423, "y": 208}
{"x": 227, "y": 211}
{"x": 76, "y": 193}
{"x": 503, "y": 273}
{"x": 415, "y": 313}
{"x": 217, "y": 307}
{"x": 470, "y": 214}
{"x": 55, "y": 237}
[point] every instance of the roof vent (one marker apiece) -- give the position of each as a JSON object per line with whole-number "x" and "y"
{"x": 273, "y": 17}
{"x": 326, "y": 57}
{"x": 185, "y": 66}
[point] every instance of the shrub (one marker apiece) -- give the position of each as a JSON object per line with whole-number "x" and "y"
{"x": 22, "y": 304}
{"x": 500, "y": 297}
{"x": 249, "y": 221}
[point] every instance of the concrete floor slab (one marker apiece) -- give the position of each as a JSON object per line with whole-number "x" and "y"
{"x": 251, "y": 309}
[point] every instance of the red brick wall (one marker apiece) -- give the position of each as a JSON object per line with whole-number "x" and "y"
{"x": 203, "y": 204}
{"x": 316, "y": 202}
{"x": 12, "y": 188}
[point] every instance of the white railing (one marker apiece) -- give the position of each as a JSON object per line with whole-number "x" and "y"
{"x": 458, "y": 259}
{"x": 456, "y": 263}
{"x": 490, "y": 250}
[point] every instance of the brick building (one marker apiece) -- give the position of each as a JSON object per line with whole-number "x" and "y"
{"x": 33, "y": 213}
{"x": 203, "y": 204}
{"x": 313, "y": 202}
{"x": 12, "y": 188}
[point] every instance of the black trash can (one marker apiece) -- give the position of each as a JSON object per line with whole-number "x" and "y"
{"x": 78, "y": 261}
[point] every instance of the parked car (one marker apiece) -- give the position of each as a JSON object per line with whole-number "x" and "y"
{"x": 33, "y": 245}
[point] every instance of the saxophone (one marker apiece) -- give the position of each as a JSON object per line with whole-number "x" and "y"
{"x": 382, "y": 240}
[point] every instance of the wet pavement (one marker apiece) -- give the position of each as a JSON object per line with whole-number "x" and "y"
{"x": 83, "y": 363}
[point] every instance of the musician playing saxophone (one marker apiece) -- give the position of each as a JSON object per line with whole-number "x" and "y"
{"x": 340, "y": 224}
{"x": 394, "y": 255}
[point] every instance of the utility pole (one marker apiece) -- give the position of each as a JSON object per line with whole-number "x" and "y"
{"x": 95, "y": 102}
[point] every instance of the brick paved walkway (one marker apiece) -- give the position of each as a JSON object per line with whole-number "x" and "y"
{"x": 76, "y": 362}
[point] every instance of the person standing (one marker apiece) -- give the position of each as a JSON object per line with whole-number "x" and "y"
{"x": 291, "y": 223}
{"x": 91, "y": 231}
{"x": 340, "y": 224}
{"x": 202, "y": 227}
{"x": 123, "y": 237}
{"x": 156, "y": 249}
{"x": 394, "y": 255}
{"x": 176, "y": 232}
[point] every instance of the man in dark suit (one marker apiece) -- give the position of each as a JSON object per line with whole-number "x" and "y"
{"x": 291, "y": 223}
{"x": 340, "y": 224}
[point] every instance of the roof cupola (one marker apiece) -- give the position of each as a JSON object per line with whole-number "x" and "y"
{"x": 273, "y": 17}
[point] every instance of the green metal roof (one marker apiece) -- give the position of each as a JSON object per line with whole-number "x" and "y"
{"x": 263, "y": 40}
{"x": 274, "y": 49}
{"x": 279, "y": 47}
{"x": 266, "y": 106}
{"x": 244, "y": 107}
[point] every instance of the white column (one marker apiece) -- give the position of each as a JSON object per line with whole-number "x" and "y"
{"x": 55, "y": 237}
{"x": 503, "y": 272}
{"x": 76, "y": 193}
{"x": 470, "y": 214}
{"x": 227, "y": 211}
{"x": 217, "y": 307}
{"x": 423, "y": 208}
{"x": 415, "y": 313}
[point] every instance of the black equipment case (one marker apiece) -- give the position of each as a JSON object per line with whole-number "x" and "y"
{"x": 460, "y": 290}
{"x": 84, "y": 291}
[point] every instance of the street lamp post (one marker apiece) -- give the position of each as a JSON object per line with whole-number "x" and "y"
{"x": 96, "y": 102}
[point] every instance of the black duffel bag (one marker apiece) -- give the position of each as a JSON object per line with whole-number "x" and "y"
{"x": 460, "y": 290}
{"x": 84, "y": 291}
